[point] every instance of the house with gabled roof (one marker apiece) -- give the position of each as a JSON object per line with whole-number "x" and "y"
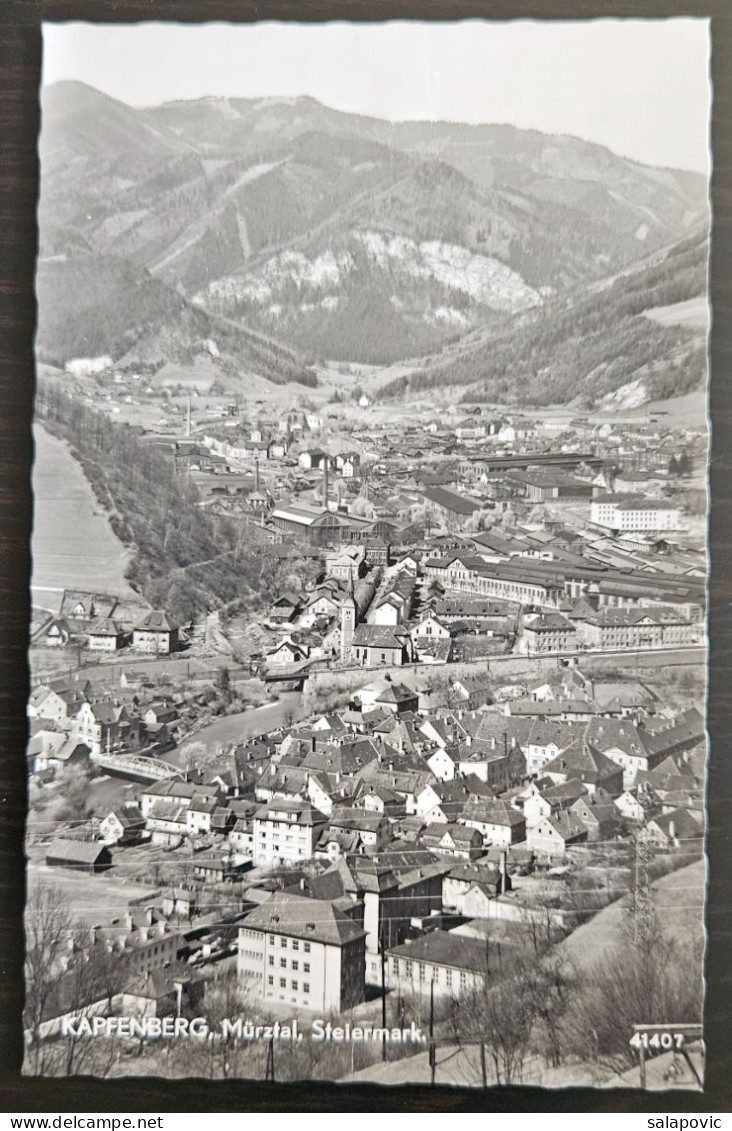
{"x": 323, "y": 791}
{"x": 443, "y": 762}
{"x": 582, "y": 762}
{"x": 638, "y": 804}
{"x": 373, "y": 828}
{"x": 377, "y": 798}
{"x": 552, "y": 836}
{"x": 105, "y": 635}
{"x": 374, "y": 645}
{"x": 79, "y": 606}
{"x": 57, "y": 633}
{"x": 443, "y": 801}
{"x": 452, "y": 839}
{"x": 287, "y": 652}
{"x": 598, "y": 814}
{"x": 156, "y": 632}
{"x": 125, "y": 825}
{"x": 279, "y": 779}
{"x": 497, "y": 822}
{"x": 54, "y": 706}
{"x": 544, "y": 798}
{"x": 677, "y": 829}
{"x": 285, "y": 607}
{"x": 460, "y": 879}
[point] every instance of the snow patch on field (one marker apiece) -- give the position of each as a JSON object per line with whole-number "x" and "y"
{"x": 692, "y": 313}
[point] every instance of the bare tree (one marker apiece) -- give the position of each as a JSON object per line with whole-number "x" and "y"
{"x": 94, "y": 977}
{"x": 47, "y": 943}
{"x": 636, "y": 981}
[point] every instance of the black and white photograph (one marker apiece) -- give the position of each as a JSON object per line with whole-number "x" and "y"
{"x": 368, "y": 653}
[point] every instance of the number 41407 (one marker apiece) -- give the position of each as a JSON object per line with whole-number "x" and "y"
{"x": 660, "y": 1041}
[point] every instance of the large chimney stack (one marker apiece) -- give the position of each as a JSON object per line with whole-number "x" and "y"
{"x": 325, "y": 481}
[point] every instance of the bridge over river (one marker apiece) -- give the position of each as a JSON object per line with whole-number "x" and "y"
{"x": 137, "y": 767}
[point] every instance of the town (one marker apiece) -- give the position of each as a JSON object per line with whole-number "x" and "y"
{"x": 454, "y": 737}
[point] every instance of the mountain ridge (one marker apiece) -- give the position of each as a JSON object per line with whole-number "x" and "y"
{"x": 335, "y": 235}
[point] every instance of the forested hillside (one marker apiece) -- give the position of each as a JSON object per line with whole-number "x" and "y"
{"x": 136, "y": 319}
{"x": 589, "y": 346}
{"x": 186, "y": 561}
{"x": 291, "y": 233}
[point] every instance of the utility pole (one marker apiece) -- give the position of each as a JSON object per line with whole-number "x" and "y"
{"x": 433, "y": 1051}
{"x": 269, "y": 1072}
{"x": 382, "y": 948}
{"x": 641, "y": 906}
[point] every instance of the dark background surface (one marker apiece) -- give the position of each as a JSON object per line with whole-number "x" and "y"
{"x": 20, "y": 65}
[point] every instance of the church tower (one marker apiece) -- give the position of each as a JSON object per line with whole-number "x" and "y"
{"x": 348, "y": 621}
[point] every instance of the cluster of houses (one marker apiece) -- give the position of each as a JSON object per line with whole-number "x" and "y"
{"x": 72, "y": 721}
{"x": 395, "y": 829}
{"x": 373, "y": 844}
{"x": 103, "y": 623}
{"x": 364, "y": 614}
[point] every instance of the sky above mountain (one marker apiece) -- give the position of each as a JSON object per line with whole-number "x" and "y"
{"x": 640, "y": 87}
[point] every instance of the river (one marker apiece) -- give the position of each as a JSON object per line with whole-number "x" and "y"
{"x": 245, "y": 724}
{"x": 73, "y": 544}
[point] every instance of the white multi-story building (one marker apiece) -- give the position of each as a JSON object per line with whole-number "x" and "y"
{"x": 634, "y": 513}
{"x": 286, "y": 830}
{"x": 304, "y": 952}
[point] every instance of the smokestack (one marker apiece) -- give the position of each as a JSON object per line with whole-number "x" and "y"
{"x": 256, "y": 475}
{"x": 325, "y": 480}
{"x": 188, "y": 419}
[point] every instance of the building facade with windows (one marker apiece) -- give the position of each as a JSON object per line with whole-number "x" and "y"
{"x": 626, "y": 512}
{"x": 304, "y": 952}
{"x": 286, "y": 830}
{"x": 453, "y": 964}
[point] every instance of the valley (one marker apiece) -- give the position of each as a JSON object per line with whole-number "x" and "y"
{"x": 503, "y": 263}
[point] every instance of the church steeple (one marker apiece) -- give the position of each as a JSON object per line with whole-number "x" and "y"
{"x": 348, "y": 610}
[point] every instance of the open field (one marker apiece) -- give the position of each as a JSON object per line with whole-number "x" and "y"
{"x": 693, "y": 313}
{"x": 678, "y": 898}
{"x": 89, "y": 899}
{"x": 73, "y": 545}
